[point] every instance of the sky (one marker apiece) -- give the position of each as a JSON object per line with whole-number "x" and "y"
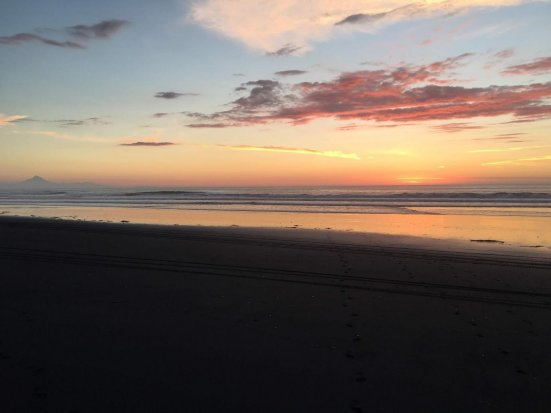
{"x": 276, "y": 92}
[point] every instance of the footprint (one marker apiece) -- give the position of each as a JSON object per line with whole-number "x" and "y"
{"x": 354, "y": 406}
{"x": 361, "y": 378}
{"x": 38, "y": 394}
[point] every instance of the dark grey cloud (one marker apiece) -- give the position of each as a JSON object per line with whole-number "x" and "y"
{"x": 173, "y": 95}
{"x": 21, "y": 38}
{"x": 240, "y": 88}
{"x": 160, "y": 114}
{"x": 293, "y": 72}
{"x": 104, "y": 29}
{"x": 366, "y": 18}
{"x": 101, "y": 30}
{"x": 264, "y": 93}
{"x": 286, "y": 50}
{"x": 361, "y": 18}
{"x": 139, "y": 143}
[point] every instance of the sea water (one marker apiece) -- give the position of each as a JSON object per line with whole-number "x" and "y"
{"x": 515, "y": 215}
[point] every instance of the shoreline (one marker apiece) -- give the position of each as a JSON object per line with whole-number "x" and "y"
{"x": 525, "y": 236}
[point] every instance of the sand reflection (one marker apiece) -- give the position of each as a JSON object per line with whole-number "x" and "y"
{"x": 522, "y": 231}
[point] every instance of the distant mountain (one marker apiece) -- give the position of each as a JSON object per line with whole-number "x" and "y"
{"x": 37, "y": 183}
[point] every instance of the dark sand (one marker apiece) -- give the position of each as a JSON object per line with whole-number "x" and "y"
{"x": 104, "y": 317}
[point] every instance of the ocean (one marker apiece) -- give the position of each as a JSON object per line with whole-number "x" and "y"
{"x": 499, "y": 214}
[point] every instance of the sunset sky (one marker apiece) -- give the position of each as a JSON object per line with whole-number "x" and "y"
{"x": 276, "y": 92}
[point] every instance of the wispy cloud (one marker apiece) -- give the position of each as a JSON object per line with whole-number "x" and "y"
{"x": 22, "y": 38}
{"x": 81, "y": 122}
{"x": 283, "y": 149}
{"x": 404, "y": 94}
{"x": 140, "y": 143}
{"x": 498, "y": 57}
{"x": 6, "y": 120}
{"x": 504, "y": 54}
{"x": 273, "y": 24}
{"x": 173, "y": 95}
{"x": 67, "y": 137}
{"x": 513, "y": 149}
{"x": 504, "y": 138}
{"x": 518, "y": 161}
{"x": 456, "y": 127}
{"x": 286, "y": 50}
{"x": 101, "y": 30}
{"x": 418, "y": 179}
{"x": 536, "y": 67}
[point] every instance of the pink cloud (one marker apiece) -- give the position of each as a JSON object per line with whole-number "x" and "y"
{"x": 397, "y": 95}
{"x": 456, "y": 127}
{"x": 536, "y": 67}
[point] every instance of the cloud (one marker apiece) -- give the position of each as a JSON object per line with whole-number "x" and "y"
{"x": 518, "y": 161}
{"x": 504, "y": 54}
{"x": 21, "y": 38}
{"x": 290, "y": 72}
{"x": 536, "y": 67}
{"x": 265, "y": 93}
{"x": 211, "y": 125}
{"x": 426, "y": 42}
{"x": 509, "y": 135}
{"x": 101, "y": 30}
{"x": 404, "y": 12}
{"x": 499, "y": 57}
{"x": 286, "y": 50}
{"x": 104, "y": 29}
{"x": 173, "y": 95}
{"x": 456, "y": 127}
{"x": 67, "y": 137}
{"x": 283, "y": 149}
{"x": 513, "y": 149}
{"x": 505, "y": 138}
{"x": 395, "y": 95}
{"x": 81, "y": 122}
{"x": 270, "y": 25}
{"x": 6, "y": 120}
{"x": 418, "y": 179}
{"x": 139, "y": 143}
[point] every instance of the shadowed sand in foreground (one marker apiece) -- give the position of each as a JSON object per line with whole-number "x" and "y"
{"x": 105, "y": 317}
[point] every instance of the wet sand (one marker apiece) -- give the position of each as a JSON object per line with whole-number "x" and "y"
{"x": 119, "y": 317}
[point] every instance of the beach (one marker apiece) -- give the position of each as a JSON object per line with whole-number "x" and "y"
{"x": 128, "y": 317}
